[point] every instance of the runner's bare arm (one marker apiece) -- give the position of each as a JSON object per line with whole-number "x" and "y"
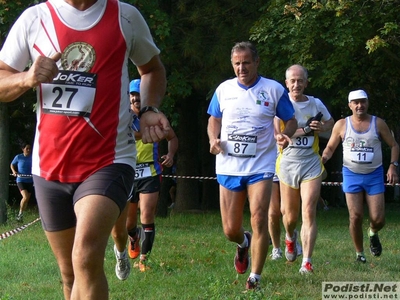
{"x": 14, "y": 83}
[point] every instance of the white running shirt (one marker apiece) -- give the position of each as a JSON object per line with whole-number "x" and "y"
{"x": 247, "y": 132}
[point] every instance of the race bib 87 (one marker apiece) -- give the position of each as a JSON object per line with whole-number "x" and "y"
{"x": 242, "y": 145}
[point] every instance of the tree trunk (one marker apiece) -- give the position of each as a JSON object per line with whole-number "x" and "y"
{"x": 4, "y": 161}
{"x": 163, "y": 200}
{"x": 210, "y": 188}
{"x": 187, "y": 190}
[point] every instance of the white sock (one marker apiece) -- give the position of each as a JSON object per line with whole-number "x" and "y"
{"x": 256, "y": 276}
{"x": 245, "y": 242}
{"x": 288, "y": 238}
{"x": 120, "y": 254}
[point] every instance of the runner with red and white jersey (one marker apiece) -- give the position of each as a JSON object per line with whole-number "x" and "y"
{"x": 84, "y": 149}
{"x": 90, "y": 69}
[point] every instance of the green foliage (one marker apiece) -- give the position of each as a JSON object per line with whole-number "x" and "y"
{"x": 158, "y": 21}
{"x": 195, "y": 39}
{"x": 389, "y": 34}
{"x": 9, "y": 11}
{"x": 345, "y": 45}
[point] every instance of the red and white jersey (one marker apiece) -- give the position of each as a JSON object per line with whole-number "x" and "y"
{"x": 83, "y": 118}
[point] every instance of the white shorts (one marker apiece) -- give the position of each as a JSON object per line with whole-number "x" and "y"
{"x": 294, "y": 170}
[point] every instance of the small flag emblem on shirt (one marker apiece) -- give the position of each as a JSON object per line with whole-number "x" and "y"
{"x": 264, "y": 103}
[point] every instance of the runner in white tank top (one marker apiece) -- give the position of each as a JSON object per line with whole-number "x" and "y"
{"x": 361, "y": 135}
{"x": 362, "y": 151}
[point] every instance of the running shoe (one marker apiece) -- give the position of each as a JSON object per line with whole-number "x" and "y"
{"x": 242, "y": 260}
{"x": 134, "y": 245}
{"x": 123, "y": 266}
{"x": 291, "y": 249}
{"x": 307, "y": 268}
{"x": 276, "y": 254}
{"x": 252, "y": 283}
{"x": 375, "y": 245}
{"x": 361, "y": 258}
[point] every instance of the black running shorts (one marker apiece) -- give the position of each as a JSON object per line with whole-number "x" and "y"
{"x": 25, "y": 186}
{"x": 56, "y": 200}
{"x": 146, "y": 186}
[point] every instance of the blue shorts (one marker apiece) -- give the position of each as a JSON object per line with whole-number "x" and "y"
{"x": 240, "y": 183}
{"x": 372, "y": 183}
{"x": 275, "y": 178}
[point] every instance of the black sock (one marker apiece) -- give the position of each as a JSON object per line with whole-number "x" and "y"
{"x": 132, "y": 232}
{"x": 148, "y": 235}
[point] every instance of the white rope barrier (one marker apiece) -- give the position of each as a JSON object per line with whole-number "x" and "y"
{"x": 324, "y": 183}
{"x": 16, "y": 230}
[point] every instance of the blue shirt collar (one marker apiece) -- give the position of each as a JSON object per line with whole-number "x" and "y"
{"x": 249, "y": 87}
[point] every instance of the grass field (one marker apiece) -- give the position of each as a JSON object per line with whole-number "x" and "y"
{"x": 191, "y": 259}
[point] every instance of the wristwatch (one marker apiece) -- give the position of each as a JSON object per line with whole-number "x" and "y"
{"x": 146, "y": 109}
{"x": 394, "y": 163}
{"x": 307, "y": 129}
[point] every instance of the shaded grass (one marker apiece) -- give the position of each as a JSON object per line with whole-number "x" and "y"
{"x": 191, "y": 259}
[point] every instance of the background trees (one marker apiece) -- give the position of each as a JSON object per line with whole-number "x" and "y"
{"x": 20, "y": 118}
{"x": 344, "y": 44}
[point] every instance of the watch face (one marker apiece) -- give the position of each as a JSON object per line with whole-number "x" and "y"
{"x": 396, "y": 164}
{"x": 146, "y": 109}
{"x": 151, "y": 108}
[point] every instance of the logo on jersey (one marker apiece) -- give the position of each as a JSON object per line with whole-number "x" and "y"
{"x": 262, "y": 98}
{"x": 242, "y": 138}
{"x": 359, "y": 143}
{"x": 78, "y": 56}
{"x": 350, "y": 142}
